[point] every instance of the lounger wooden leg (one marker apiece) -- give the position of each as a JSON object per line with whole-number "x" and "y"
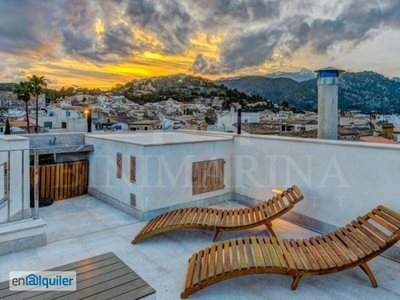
{"x": 216, "y": 235}
{"x": 296, "y": 280}
{"x": 136, "y": 241}
{"x": 269, "y": 227}
{"x": 369, "y": 273}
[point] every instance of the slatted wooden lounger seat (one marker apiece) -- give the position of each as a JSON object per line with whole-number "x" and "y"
{"x": 348, "y": 247}
{"x": 218, "y": 220}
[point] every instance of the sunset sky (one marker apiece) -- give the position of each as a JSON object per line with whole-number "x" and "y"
{"x": 101, "y": 43}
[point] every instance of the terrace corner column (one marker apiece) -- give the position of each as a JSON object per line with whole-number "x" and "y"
{"x": 327, "y": 81}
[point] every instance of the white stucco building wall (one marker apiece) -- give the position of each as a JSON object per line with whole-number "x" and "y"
{"x": 225, "y": 121}
{"x": 163, "y": 166}
{"x": 77, "y": 125}
{"x": 54, "y": 120}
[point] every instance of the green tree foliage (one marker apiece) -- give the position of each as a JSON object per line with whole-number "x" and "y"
{"x": 51, "y": 95}
{"x": 257, "y": 108}
{"x": 285, "y": 104}
{"x": 8, "y": 87}
{"x": 182, "y": 88}
{"x": 266, "y": 88}
{"x": 38, "y": 86}
{"x": 210, "y": 116}
{"x": 23, "y": 93}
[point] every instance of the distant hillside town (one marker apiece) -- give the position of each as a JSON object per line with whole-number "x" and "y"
{"x": 183, "y": 102}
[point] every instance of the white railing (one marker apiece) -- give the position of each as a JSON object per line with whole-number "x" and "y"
{"x": 10, "y": 209}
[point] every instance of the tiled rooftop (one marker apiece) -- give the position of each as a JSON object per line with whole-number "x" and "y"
{"x": 82, "y": 227}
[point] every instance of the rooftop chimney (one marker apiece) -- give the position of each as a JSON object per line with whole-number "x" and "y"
{"x": 327, "y": 81}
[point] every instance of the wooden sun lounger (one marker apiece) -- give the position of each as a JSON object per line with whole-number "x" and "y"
{"x": 348, "y": 247}
{"x": 218, "y": 220}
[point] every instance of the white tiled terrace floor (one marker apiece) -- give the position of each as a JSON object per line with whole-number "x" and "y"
{"x": 82, "y": 227}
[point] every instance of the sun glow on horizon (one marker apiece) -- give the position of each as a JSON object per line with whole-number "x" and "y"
{"x": 78, "y": 71}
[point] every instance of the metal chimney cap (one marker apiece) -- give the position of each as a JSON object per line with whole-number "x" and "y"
{"x": 330, "y": 69}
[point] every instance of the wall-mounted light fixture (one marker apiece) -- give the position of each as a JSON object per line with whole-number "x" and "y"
{"x": 88, "y": 113}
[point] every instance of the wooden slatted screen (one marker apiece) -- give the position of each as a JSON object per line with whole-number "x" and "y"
{"x": 207, "y": 176}
{"x": 63, "y": 180}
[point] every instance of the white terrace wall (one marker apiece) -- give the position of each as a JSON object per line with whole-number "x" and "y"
{"x": 11, "y": 143}
{"x": 168, "y": 172}
{"x": 103, "y": 169}
{"x": 340, "y": 180}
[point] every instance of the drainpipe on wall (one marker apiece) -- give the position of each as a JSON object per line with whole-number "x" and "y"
{"x": 239, "y": 121}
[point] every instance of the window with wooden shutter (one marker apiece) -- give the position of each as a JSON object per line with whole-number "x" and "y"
{"x": 207, "y": 176}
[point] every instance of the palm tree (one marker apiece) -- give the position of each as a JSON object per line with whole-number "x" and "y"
{"x": 38, "y": 85}
{"x": 23, "y": 92}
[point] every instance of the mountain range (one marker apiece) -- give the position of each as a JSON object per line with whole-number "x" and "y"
{"x": 301, "y": 76}
{"x": 364, "y": 91}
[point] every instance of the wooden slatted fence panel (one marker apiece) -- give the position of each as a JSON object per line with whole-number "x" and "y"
{"x": 63, "y": 180}
{"x": 207, "y": 176}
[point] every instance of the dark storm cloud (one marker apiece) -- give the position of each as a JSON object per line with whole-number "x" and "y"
{"x": 357, "y": 22}
{"x": 21, "y": 26}
{"x": 299, "y": 33}
{"x": 237, "y": 12}
{"x": 170, "y": 21}
{"x": 354, "y": 24}
{"x": 110, "y": 10}
{"x": 81, "y": 40}
{"x": 248, "y": 49}
{"x": 116, "y": 43}
{"x": 76, "y": 41}
{"x": 175, "y": 22}
{"x": 119, "y": 40}
{"x": 76, "y": 21}
{"x": 241, "y": 50}
{"x": 205, "y": 66}
{"x": 43, "y": 28}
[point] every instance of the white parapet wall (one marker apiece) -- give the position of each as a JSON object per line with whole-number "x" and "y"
{"x": 340, "y": 180}
{"x": 18, "y": 230}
